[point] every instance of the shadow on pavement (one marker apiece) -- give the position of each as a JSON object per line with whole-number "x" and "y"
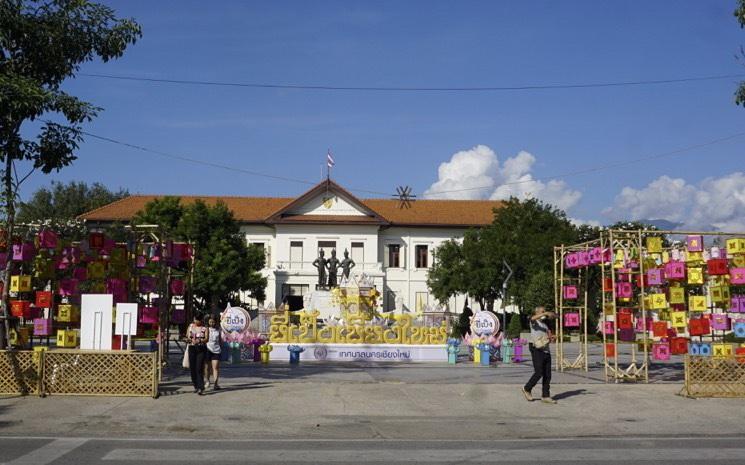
{"x": 568, "y": 394}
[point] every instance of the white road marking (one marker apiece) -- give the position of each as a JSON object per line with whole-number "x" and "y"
{"x": 427, "y": 455}
{"x": 49, "y": 452}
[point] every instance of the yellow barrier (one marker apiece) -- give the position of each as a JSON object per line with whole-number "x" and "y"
{"x": 20, "y": 372}
{"x": 714, "y": 376}
{"x": 77, "y": 372}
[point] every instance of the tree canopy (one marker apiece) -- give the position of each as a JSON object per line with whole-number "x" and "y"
{"x": 224, "y": 263}
{"x": 523, "y": 235}
{"x": 42, "y": 43}
{"x": 63, "y": 202}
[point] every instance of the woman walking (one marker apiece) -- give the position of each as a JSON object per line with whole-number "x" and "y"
{"x": 213, "y": 353}
{"x": 541, "y": 337}
{"x": 198, "y": 336}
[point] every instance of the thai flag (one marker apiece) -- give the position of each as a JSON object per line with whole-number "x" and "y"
{"x": 329, "y": 159}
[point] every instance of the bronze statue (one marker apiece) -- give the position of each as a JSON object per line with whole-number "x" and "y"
{"x": 346, "y": 265}
{"x": 320, "y": 264}
{"x": 332, "y": 264}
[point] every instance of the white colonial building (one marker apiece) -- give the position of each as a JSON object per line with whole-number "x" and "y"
{"x": 391, "y": 243}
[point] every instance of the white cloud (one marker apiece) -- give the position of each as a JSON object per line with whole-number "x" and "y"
{"x": 580, "y": 222}
{"x": 713, "y": 203}
{"x": 479, "y": 167}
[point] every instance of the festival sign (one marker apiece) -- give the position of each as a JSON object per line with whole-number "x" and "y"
{"x": 484, "y": 324}
{"x": 235, "y": 323}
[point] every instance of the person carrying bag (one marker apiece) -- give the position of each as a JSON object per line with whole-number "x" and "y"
{"x": 540, "y": 339}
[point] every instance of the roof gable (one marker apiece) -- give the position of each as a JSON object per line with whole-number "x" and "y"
{"x": 326, "y": 202}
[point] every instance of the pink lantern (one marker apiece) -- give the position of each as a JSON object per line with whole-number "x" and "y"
{"x": 720, "y": 321}
{"x": 42, "y": 327}
{"x": 596, "y": 256}
{"x": 608, "y": 327}
{"x": 571, "y": 320}
{"x": 583, "y": 259}
{"x": 675, "y": 270}
{"x": 47, "y": 239}
{"x": 177, "y": 286}
{"x": 23, "y": 252}
{"x": 661, "y": 351}
{"x": 639, "y": 325}
{"x": 571, "y": 260}
{"x": 695, "y": 243}
{"x": 737, "y": 275}
{"x": 570, "y": 292}
{"x": 149, "y": 315}
{"x": 624, "y": 290}
{"x": 655, "y": 277}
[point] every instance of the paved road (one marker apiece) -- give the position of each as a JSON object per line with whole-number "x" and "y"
{"x": 680, "y": 451}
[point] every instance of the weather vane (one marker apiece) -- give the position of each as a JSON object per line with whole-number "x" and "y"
{"x": 405, "y": 197}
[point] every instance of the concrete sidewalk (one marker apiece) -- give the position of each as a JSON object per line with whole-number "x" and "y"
{"x": 379, "y": 401}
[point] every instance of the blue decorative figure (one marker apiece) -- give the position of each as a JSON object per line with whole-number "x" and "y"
{"x": 295, "y": 353}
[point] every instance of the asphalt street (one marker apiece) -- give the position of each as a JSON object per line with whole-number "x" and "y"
{"x": 680, "y": 451}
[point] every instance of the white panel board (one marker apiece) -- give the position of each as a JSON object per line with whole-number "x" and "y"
{"x": 96, "y": 321}
{"x": 126, "y": 319}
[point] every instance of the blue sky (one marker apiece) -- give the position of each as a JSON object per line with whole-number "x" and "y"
{"x": 381, "y": 140}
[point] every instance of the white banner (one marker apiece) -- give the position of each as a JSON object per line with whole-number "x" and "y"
{"x": 364, "y": 352}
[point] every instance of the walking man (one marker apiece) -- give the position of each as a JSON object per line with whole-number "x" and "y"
{"x": 540, "y": 338}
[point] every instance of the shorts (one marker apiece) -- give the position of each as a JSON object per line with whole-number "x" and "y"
{"x": 212, "y": 356}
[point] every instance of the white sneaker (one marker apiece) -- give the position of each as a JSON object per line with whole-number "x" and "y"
{"x": 206, "y": 384}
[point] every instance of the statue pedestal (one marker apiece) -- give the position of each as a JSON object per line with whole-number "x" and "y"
{"x": 321, "y": 300}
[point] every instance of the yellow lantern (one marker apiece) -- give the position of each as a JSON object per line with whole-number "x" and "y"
{"x": 654, "y": 245}
{"x": 679, "y": 319}
{"x": 697, "y": 303}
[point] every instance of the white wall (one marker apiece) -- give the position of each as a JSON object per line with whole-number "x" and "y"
{"x": 405, "y": 282}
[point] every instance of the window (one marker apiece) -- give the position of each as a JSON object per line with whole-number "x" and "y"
{"x": 296, "y": 254}
{"x": 292, "y": 295}
{"x": 393, "y": 256}
{"x": 421, "y": 256}
{"x": 267, "y": 257}
{"x": 327, "y": 247}
{"x": 358, "y": 253}
{"x": 422, "y": 299}
{"x": 390, "y": 304}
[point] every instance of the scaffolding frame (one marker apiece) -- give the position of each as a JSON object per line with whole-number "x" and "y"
{"x": 625, "y": 259}
{"x": 562, "y": 277}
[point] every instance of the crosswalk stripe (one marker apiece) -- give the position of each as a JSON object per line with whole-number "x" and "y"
{"x": 48, "y": 452}
{"x": 428, "y": 455}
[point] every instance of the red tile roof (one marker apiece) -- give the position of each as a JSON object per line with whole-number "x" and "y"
{"x": 260, "y": 210}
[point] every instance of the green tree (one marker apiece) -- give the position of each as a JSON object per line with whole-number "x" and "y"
{"x": 514, "y": 327}
{"x": 42, "y": 43}
{"x": 165, "y": 212}
{"x": 524, "y": 234}
{"x": 224, "y": 263}
{"x": 539, "y": 290}
{"x": 464, "y": 268}
{"x": 740, "y": 15}
{"x": 65, "y": 202}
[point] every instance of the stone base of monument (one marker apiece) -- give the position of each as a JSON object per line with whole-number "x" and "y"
{"x": 316, "y": 352}
{"x": 321, "y": 301}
